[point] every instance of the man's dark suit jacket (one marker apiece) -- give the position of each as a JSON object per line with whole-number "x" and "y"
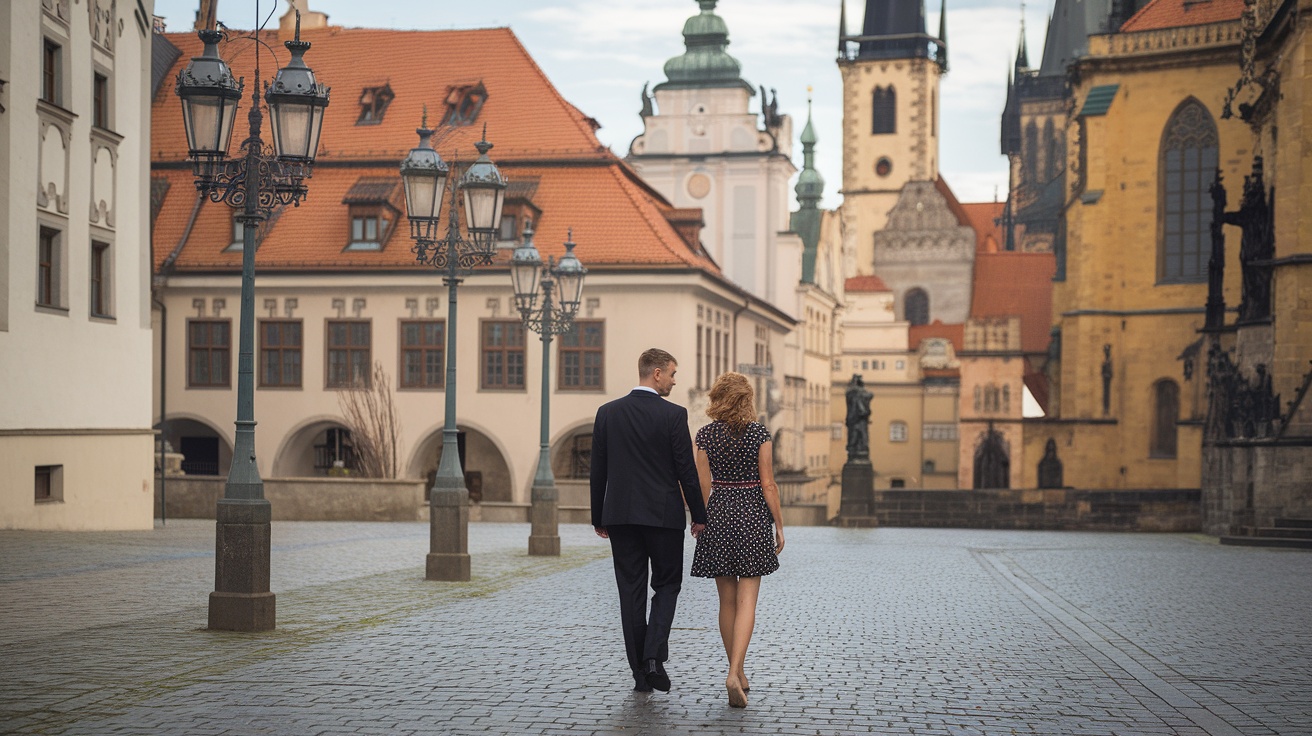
{"x": 641, "y": 454}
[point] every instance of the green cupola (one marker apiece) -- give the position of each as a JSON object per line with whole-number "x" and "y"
{"x": 704, "y": 64}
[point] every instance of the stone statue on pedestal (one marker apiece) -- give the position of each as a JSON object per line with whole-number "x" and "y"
{"x": 858, "y": 419}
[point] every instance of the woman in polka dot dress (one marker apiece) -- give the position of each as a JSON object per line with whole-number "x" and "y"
{"x": 737, "y": 547}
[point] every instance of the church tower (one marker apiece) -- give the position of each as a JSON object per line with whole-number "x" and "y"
{"x": 890, "y": 113}
{"x": 701, "y": 147}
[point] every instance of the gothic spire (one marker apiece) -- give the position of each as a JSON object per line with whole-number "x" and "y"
{"x": 894, "y": 29}
{"x": 810, "y": 188}
{"x": 943, "y": 35}
{"x": 842, "y": 29}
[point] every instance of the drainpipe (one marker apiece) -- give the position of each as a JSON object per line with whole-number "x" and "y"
{"x": 156, "y": 297}
{"x": 163, "y": 406}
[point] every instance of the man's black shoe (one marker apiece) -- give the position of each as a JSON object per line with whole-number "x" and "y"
{"x": 656, "y": 676}
{"x": 640, "y": 683}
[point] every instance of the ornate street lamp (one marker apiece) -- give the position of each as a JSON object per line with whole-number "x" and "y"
{"x": 424, "y": 176}
{"x": 257, "y": 181}
{"x": 529, "y": 275}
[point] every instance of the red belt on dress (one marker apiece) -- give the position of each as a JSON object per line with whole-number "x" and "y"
{"x": 735, "y": 483}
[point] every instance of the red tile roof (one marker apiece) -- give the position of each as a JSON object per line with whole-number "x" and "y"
{"x": 1016, "y": 284}
{"x": 1160, "y": 14}
{"x": 985, "y": 218}
{"x": 869, "y": 284}
{"x": 617, "y": 219}
{"x": 954, "y": 333}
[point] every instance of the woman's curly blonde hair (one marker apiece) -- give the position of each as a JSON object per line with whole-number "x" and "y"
{"x": 732, "y": 402}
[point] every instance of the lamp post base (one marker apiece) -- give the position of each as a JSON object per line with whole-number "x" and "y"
{"x": 242, "y": 611}
{"x": 448, "y": 556}
{"x": 241, "y": 600}
{"x": 543, "y": 515}
{"x": 453, "y": 566}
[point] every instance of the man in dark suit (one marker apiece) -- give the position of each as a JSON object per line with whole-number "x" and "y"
{"x": 641, "y": 455}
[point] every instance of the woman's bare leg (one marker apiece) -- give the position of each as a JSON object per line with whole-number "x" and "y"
{"x": 744, "y": 621}
{"x": 727, "y": 587}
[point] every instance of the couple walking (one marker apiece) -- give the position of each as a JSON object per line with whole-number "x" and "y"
{"x": 642, "y": 458}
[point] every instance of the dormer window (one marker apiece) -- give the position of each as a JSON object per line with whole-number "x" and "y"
{"x": 370, "y": 227}
{"x": 372, "y": 213}
{"x": 463, "y": 103}
{"x": 373, "y": 104}
{"x": 518, "y": 210}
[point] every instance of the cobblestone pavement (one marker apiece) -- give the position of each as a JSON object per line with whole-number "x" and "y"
{"x": 889, "y": 631}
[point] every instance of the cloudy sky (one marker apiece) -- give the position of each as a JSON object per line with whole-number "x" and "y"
{"x": 599, "y": 53}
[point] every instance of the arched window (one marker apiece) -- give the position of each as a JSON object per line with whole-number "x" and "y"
{"x": 883, "y": 111}
{"x": 1006, "y": 398}
{"x": 1186, "y": 166}
{"x": 1030, "y": 154}
{"x": 915, "y": 306}
{"x": 1166, "y": 411}
{"x": 992, "y": 461}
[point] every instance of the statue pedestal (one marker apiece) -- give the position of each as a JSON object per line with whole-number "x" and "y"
{"x": 857, "y": 504}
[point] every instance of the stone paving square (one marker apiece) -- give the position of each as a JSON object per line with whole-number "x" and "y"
{"x": 886, "y": 631}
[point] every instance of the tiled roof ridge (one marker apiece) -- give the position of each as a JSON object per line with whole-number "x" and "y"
{"x": 580, "y": 119}
{"x": 954, "y": 204}
{"x": 1128, "y": 25}
{"x": 627, "y": 181}
{"x": 634, "y": 176}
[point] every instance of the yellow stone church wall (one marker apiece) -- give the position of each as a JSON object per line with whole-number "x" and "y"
{"x": 1291, "y": 174}
{"x": 1111, "y": 295}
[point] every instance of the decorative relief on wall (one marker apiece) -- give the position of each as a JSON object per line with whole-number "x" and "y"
{"x": 922, "y": 228}
{"x": 52, "y": 166}
{"x": 1239, "y": 406}
{"x": 102, "y": 23}
{"x": 104, "y": 165}
{"x": 56, "y": 9}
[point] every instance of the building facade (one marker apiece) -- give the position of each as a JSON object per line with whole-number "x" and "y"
{"x": 1145, "y": 139}
{"x": 75, "y": 435}
{"x": 1257, "y": 437}
{"x": 339, "y": 292}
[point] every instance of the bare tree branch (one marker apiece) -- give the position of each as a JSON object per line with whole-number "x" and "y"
{"x": 370, "y": 414}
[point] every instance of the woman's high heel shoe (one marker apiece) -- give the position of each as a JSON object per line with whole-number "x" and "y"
{"x": 737, "y": 698}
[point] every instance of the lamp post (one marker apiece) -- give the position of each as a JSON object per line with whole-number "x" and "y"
{"x": 424, "y": 174}
{"x": 529, "y": 275}
{"x": 254, "y": 183}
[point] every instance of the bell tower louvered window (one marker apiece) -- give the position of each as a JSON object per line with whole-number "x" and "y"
{"x": 883, "y": 109}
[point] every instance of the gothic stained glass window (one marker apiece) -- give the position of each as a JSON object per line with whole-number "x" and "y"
{"x": 1187, "y": 164}
{"x": 883, "y": 111}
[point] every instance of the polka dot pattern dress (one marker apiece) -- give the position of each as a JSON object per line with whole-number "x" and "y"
{"x": 739, "y": 537}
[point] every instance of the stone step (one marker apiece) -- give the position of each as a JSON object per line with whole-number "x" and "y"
{"x": 1294, "y": 523}
{"x": 1268, "y": 542}
{"x": 1284, "y": 532}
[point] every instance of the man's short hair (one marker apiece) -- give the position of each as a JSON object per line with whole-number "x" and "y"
{"x": 651, "y": 359}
